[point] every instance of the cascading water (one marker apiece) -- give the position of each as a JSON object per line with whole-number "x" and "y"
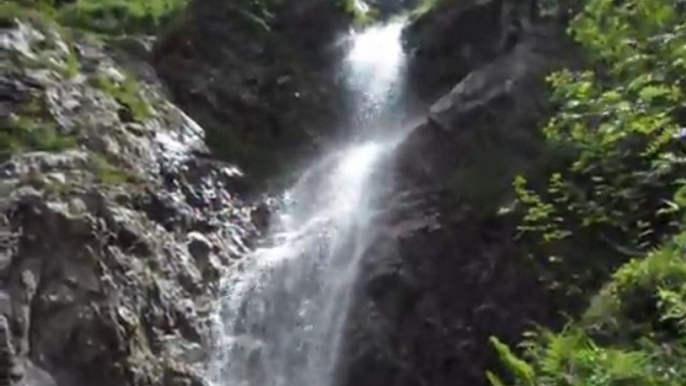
{"x": 285, "y": 308}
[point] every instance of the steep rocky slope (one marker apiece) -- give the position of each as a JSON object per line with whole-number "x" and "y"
{"x": 116, "y": 226}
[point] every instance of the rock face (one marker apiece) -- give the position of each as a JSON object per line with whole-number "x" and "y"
{"x": 262, "y": 82}
{"x": 114, "y": 228}
{"x": 453, "y": 38}
{"x": 449, "y": 272}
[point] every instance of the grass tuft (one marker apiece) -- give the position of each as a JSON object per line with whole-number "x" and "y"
{"x": 107, "y": 173}
{"x": 126, "y": 92}
{"x": 120, "y": 16}
{"x": 31, "y": 128}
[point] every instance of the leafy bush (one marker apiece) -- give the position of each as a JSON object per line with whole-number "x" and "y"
{"x": 620, "y": 133}
{"x": 102, "y": 16}
{"x": 37, "y": 11}
{"x": 120, "y": 16}
{"x": 646, "y": 296}
{"x": 634, "y": 332}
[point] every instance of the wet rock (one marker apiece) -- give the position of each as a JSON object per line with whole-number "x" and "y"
{"x": 490, "y": 120}
{"x": 273, "y": 76}
{"x": 6, "y": 353}
{"x": 179, "y": 377}
{"x": 199, "y": 247}
{"x": 447, "y": 272}
{"x": 261, "y": 217}
{"x": 35, "y": 376}
{"x": 454, "y": 38}
{"x": 96, "y": 268}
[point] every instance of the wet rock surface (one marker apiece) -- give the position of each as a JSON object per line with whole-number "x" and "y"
{"x": 113, "y": 235}
{"x": 454, "y": 38}
{"x": 448, "y": 273}
{"x": 264, "y": 85}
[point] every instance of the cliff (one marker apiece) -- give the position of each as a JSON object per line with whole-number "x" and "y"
{"x": 116, "y": 224}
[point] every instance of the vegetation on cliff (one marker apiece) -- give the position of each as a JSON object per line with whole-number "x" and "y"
{"x": 113, "y": 231}
{"x": 102, "y": 16}
{"x": 615, "y": 199}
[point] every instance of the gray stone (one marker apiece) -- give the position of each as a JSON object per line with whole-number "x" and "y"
{"x": 199, "y": 247}
{"x": 92, "y": 283}
{"x": 35, "y": 376}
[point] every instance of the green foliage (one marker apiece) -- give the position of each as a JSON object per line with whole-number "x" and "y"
{"x": 127, "y": 92}
{"x": 425, "y": 6}
{"x": 31, "y": 128}
{"x": 72, "y": 64}
{"x": 518, "y": 367}
{"x": 59, "y": 190}
{"x": 632, "y": 334}
{"x": 40, "y": 12}
{"x": 587, "y": 363}
{"x": 361, "y": 13}
{"x": 102, "y": 16}
{"x": 620, "y": 131}
{"x": 645, "y": 295}
{"x": 107, "y": 173}
{"x": 9, "y": 11}
{"x": 120, "y": 16}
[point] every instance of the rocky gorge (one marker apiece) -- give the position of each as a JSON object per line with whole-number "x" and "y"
{"x": 142, "y": 182}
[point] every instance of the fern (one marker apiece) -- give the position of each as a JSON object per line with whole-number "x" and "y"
{"x": 494, "y": 379}
{"x": 519, "y": 368}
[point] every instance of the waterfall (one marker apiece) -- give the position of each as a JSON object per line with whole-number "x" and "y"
{"x": 284, "y": 312}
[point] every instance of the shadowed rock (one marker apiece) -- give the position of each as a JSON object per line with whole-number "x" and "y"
{"x": 447, "y": 272}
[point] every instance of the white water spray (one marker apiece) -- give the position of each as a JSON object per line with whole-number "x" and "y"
{"x": 284, "y": 313}
{"x": 375, "y": 71}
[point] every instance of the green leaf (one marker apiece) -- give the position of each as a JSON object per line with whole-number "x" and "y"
{"x": 494, "y": 379}
{"x": 520, "y": 369}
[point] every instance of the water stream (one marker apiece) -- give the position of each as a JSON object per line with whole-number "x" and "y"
{"x": 285, "y": 309}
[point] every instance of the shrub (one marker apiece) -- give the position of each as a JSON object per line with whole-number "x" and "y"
{"x": 31, "y": 128}
{"x": 620, "y": 131}
{"x": 646, "y": 296}
{"x": 621, "y": 127}
{"x": 633, "y": 333}
{"x": 40, "y": 12}
{"x": 120, "y": 16}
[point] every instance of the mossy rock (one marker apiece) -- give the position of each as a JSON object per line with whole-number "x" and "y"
{"x": 31, "y": 127}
